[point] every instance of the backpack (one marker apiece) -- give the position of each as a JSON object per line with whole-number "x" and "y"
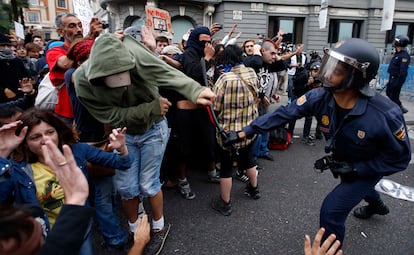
{"x": 279, "y": 139}
{"x": 47, "y": 95}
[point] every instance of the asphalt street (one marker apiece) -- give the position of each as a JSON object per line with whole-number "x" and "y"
{"x": 292, "y": 193}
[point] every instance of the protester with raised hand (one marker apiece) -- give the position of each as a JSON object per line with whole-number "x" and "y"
{"x": 31, "y": 181}
{"x": 329, "y": 247}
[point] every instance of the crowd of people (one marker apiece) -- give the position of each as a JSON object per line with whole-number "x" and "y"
{"x": 155, "y": 106}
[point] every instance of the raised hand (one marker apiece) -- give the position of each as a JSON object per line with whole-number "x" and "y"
{"x": 328, "y": 247}
{"x": 147, "y": 38}
{"x": 73, "y": 181}
{"x": 8, "y": 138}
{"x": 117, "y": 141}
{"x": 26, "y": 85}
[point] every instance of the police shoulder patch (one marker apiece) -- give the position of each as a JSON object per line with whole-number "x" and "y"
{"x": 361, "y": 134}
{"x": 301, "y": 100}
{"x": 404, "y": 60}
{"x": 400, "y": 133}
{"x": 325, "y": 120}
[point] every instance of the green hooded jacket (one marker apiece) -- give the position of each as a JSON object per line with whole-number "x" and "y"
{"x": 137, "y": 106}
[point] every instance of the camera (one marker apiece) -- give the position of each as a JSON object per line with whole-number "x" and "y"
{"x": 324, "y": 163}
{"x": 104, "y": 25}
{"x": 220, "y": 26}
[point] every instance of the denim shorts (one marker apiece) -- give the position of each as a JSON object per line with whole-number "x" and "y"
{"x": 147, "y": 152}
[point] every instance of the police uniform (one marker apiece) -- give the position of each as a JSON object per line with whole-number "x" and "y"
{"x": 368, "y": 137}
{"x": 398, "y": 73}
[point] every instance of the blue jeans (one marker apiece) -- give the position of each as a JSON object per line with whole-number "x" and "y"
{"x": 260, "y": 145}
{"x": 87, "y": 245}
{"x": 307, "y": 126}
{"x": 290, "y": 87}
{"x": 106, "y": 216}
{"x": 147, "y": 151}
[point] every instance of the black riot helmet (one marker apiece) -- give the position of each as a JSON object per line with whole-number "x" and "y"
{"x": 401, "y": 41}
{"x": 351, "y": 64}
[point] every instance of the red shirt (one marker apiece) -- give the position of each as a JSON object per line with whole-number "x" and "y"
{"x": 57, "y": 76}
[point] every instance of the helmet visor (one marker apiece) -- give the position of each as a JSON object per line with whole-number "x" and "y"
{"x": 338, "y": 71}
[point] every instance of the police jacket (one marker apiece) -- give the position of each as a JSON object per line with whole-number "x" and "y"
{"x": 372, "y": 136}
{"x": 399, "y": 65}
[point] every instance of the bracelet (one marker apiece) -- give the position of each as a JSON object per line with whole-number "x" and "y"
{"x": 31, "y": 92}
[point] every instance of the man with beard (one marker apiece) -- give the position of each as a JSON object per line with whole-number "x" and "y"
{"x": 69, "y": 27}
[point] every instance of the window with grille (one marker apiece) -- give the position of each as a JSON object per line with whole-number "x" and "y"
{"x": 61, "y": 3}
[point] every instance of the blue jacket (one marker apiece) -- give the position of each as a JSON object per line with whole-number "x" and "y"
{"x": 20, "y": 185}
{"x": 372, "y": 135}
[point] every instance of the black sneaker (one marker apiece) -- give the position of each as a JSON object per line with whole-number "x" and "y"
{"x": 156, "y": 243}
{"x": 241, "y": 176}
{"x": 259, "y": 168}
{"x": 307, "y": 141}
{"x": 267, "y": 157}
{"x": 252, "y": 192}
{"x": 222, "y": 207}
{"x": 318, "y": 135}
{"x": 365, "y": 212}
{"x": 214, "y": 178}
{"x": 185, "y": 190}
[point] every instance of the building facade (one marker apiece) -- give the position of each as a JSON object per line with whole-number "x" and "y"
{"x": 298, "y": 19}
{"x": 41, "y": 15}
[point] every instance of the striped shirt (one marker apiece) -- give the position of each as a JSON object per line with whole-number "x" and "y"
{"x": 235, "y": 103}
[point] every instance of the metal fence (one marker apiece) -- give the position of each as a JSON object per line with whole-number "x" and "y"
{"x": 383, "y": 76}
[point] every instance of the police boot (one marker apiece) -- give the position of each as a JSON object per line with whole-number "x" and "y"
{"x": 365, "y": 212}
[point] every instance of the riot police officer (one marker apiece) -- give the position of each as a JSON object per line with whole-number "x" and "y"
{"x": 363, "y": 131}
{"x": 398, "y": 70}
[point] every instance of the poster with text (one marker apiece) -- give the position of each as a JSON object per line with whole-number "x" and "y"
{"x": 159, "y": 21}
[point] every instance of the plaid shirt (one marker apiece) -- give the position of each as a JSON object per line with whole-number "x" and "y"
{"x": 235, "y": 103}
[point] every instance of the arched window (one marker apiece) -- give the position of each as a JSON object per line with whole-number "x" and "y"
{"x": 134, "y": 21}
{"x": 180, "y": 26}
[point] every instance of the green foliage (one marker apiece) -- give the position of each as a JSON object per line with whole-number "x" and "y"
{"x": 5, "y": 18}
{"x": 6, "y": 14}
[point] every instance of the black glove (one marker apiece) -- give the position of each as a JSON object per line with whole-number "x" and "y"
{"x": 345, "y": 170}
{"x": 230, "y": 137}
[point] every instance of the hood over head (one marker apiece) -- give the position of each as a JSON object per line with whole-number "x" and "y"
{"x": 108, "y": 57}
{"x": 193, "y": 41}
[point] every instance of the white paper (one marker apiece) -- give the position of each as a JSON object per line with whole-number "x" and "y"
{"x": 84, "y": 12}
{"x": 323, "y": 14}
{"x": 19, "y": 29}
{"x": 395, "y": 189}
{"x": 387, "y": 15}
